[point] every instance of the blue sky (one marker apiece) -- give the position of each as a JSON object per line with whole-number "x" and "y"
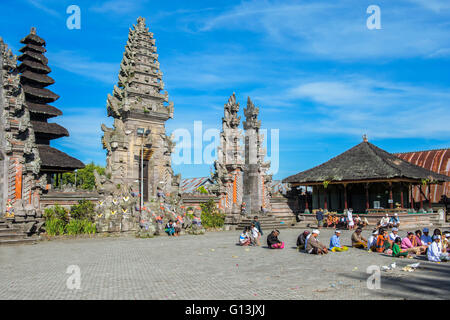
{"x": 314, "y": 69}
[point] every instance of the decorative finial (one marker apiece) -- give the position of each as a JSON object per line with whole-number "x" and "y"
{"x": 364, "y": 137}
{"x": 33, "y": 30}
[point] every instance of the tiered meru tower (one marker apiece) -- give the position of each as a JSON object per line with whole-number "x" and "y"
{"x": 34, "y": 80}
{"x": 140, "y": 110}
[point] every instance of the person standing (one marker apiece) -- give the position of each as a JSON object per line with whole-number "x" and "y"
{"x": 255, "y": 235}
{"x": 319, "y": 218}
{"x": 351, "y": 224}
{"x": 257, "y": 224}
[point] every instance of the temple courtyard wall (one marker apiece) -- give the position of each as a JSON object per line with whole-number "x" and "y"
{"x": 210, "y": 266}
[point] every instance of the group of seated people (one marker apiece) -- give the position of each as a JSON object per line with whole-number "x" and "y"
{"x": 173, "y": 228}
{"x": 309, "y": 243}
{"x": 343, "y": 222}
{"x": 434, "y": 247}
{"x": 389, "y": 222}
{"x": 251, "y": 235}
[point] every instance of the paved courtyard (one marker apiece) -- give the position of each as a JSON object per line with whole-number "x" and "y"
{"x": 210, "y": 266}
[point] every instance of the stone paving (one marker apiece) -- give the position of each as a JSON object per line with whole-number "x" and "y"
{"x": 208, "y": 266}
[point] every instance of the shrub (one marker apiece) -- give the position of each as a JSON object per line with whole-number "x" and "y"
{"x": 211, "y": 217}
{"x": 56, "y": 212}
{"x": 77, "y": 226}
{"x": 83, "y": 210}
{"x": 202, "y": 190}
{"x": 54, "y": 226}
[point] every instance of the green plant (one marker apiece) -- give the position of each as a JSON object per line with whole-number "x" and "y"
{"x": 211, "y": 216}
{"x": 85, "y": 177}
{"x": 89, "y": 227}
{"x": 56, "y": 212}
{"x": 83, "y": 210}
{"x": 54, "y": 227}
{"x": 74, "y": 227}
{"x": 202, "y": 190}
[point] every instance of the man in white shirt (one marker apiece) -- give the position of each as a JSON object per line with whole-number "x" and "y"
{"x": 372, "y": 241}
{"x": 384, "y": 222}
{"x": 393, "y": 234}
{"x": 435, "y": 253}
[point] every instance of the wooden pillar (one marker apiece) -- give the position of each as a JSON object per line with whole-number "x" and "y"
{"x": 325, "y": 203}
{"x": 429, "y": 196}
{"x": 367, "y": 196}
{"x": 401, "y": 195}
{"x": 391, "y": 200}
{"x": 345, "y": 196}
{"x": 306, "y": 198}
{"x": 411, "y": 200}
{"x": 420, "y": 196}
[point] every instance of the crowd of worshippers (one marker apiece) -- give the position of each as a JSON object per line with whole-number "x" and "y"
{"x": 434, "y": 247}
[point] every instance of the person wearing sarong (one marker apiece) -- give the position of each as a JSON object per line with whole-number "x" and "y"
{"x": 313, "y": 246}
{"x": 351, "y": 223}
{"x": 383, "y": 244}
{"x": 397, "y": 251}
{"x": 244, "y": 238}
{"x": 394, "y": 234}
{"x": 434, "y": 252}
{"x": 407, "y": 244}
{"x": 417, "y": 243}
{"x": 358, "y": 241}
{"x": 394, "y": 221}
{"x": 425, "y": 238}
{"x": 329, "y": 221}
{"x": 384, "y": 222}
{"x": 372, "y": 241}
{"x": 273, "y": 242}
{"x": 170, "y": 228}
{"x": 301, "y": 240}
{"x": 335, "y": 243}
{"x": 256, "y": 235}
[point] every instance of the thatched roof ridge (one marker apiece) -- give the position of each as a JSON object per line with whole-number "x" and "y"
{"x": 43, "y": 109}
{"x": 49, "y": 128}
{"x": 364, "y": 161}
{"x": 53, "y": 159}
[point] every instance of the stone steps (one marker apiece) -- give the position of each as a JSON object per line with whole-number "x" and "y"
{"x": 10, "y": 235}
{"x": 31, "y": 240}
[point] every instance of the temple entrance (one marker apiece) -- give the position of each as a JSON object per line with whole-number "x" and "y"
{"x": 145, "y": 179}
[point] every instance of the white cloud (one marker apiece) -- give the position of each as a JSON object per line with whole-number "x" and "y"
{"x": 337, "y": 30}
{"x": 40, "y": 5}
{"x": 73, "y": 62}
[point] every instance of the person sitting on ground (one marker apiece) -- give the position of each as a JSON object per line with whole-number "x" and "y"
{"x": 343, "y": 223}
{"x": 170, "y": 228}
{"x": 394, "y": 221}
{"x": 313, "y": 246}
{"x": 407, "y": 244}
{"x": 177, "y": 228}
{"x": 384, "y": 222}
{"x": 244, "y": 238}
{"x": 417, "y": 242}
{"x": 358, "y": 241}
{"x": 301, "y": 240}
{"x": 357, "y": 221}
{"x": 383, "y": 243}
{"x": 397, "y": 251}
{"x": 372, "y": 241}
{"x": 434, "y": 252}
{"x": 243, "y": 208}
{"x": 257, "y": 224}
{"x": 364, "y": 222}
{"x": 394, "y": 234}
{"x": 330, "y": 221}
{"x": 273, "y": 242}
{"x": 335, "y": 221}
{"x": 319, "y": 218}
{"x": 425, "y": 238}
{"x": 335, "y": 243}
{"x": 264, "y": 210}
{"x": 256, "y": 235}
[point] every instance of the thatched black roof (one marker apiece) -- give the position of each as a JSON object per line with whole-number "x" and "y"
{"x": 28, "y": 64}
{"x": 39, "y": 94}
{"x": 365, "y": 161}
{"x": 53, "y": 159}
{"x": 36, "y": 78}
{"x": 52, "y": 129}
{"x": 32, "y": 47}
{"x": 34, "y": 39}
{"x": 44, "y": 109}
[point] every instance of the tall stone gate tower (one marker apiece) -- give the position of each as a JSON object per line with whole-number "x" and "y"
{"x": 140, "y": 110}
{"x": 240, "y": 170}
{"x": 256, "y": 179}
